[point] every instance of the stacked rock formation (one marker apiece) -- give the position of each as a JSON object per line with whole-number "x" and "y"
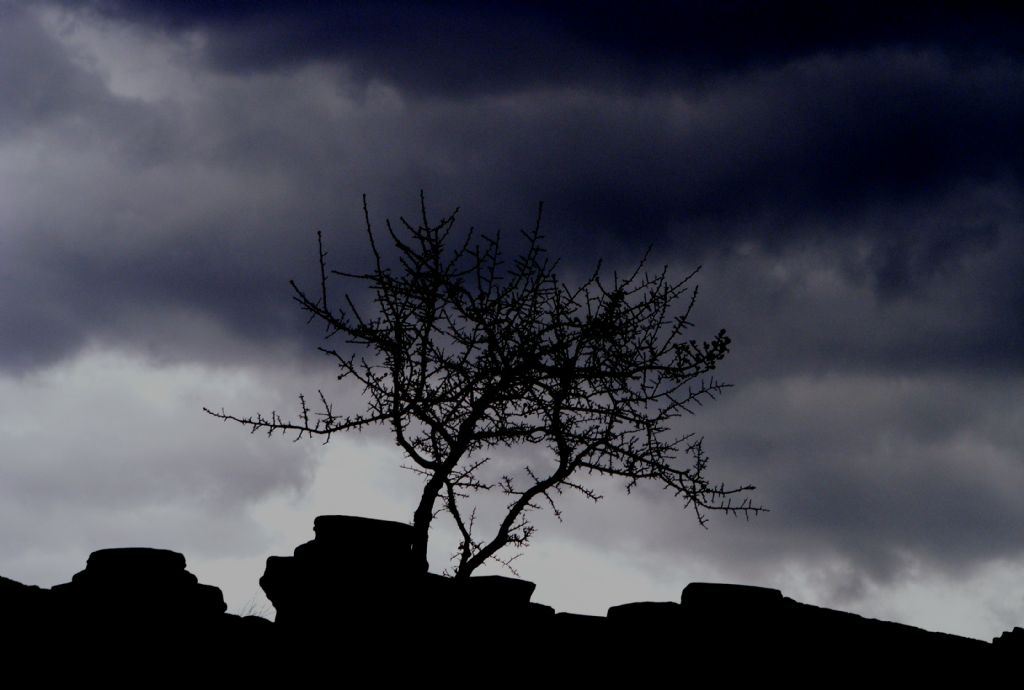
{"x": 128, "y": 609}
{"x": 134, "y": 586}
{"x": 355, "y": 569}
{"x": 356, "y": 596}
{"x": 358, "y": 581}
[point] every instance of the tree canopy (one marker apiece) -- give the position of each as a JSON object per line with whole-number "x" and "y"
{"x": 462, "y": 352}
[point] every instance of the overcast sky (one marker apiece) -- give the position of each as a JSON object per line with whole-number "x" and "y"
{"x": 848, "y": 176}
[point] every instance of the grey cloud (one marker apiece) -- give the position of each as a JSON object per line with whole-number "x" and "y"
{"x": 460, "y": 47}
{"x": 38, "y": 83}
{"x": 135, "y": 461}
{"x": 815, "y": 308}
{"x": 219, "y": 216}
{"x": 223, "y": 217}
{"x": 881, "y": 471}
{"x": 871, "y": 481}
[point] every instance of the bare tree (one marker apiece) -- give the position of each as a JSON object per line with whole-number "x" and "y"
{"x": 462, "y": 353}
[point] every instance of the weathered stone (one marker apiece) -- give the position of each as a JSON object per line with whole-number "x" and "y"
{"x": 12, "y": 591}
{"x": 494, "y": 591}
{"x": 711, "y": 597}
{"x": 144, "y": 602}
{"x": 645, "y": 613}
{"x": 137, "y": 584}
{"x": 363, "y": 546}
{"x": 351, "y": 529}
{"x": 540, "y": 611}
{"x": 1011, "y": 640}
{"x": 355, "y": 569}
{"x": 22, "y": 605}
{"x": 134, "y": 562}
{"x": 278, "y": 581}
{"x": 580, "y": 622}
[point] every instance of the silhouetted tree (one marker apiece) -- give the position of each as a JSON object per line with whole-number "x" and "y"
{"x": 461, "y": 353}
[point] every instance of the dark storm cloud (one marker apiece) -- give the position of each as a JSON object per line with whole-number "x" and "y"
{"x": 38, "y": 85}
{"x": 838, "y": 110}
{"x": 460, "y": 47}
{"x": 813, "y": 307}
{"x": 904, "y": 165}
{"x": 782, "y": 153}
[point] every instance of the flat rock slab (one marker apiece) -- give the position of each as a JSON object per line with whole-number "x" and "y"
{"x": 494, "y": 590}
{"x": 645, "y": 612}
{"x": 713, "y": 595}
{"x": 135, "y": 560}
{"x": 349, "y": 528}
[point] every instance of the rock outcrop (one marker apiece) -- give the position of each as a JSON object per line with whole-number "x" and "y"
{"x": 138, "y": 586}
{"x": 354, "y": 570}
{"x": 356, "y": 595}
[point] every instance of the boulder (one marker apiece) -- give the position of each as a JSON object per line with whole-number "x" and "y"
{"x": 131, "y": 587}
{"x": 357, "y": 570}
{"x": 1011, "y": 641}
{"x": 645, "y": 614}
{"x": 23, "y": 607}
{"x": 495, "y": 592}
{"x": 714, "y": 599}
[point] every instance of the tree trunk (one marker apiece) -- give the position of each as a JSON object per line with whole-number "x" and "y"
{"x": 423, "y": 516}
{"x": 467, "y": 568}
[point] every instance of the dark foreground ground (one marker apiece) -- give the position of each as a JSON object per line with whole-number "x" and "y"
{"x": 353, "y": 607}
